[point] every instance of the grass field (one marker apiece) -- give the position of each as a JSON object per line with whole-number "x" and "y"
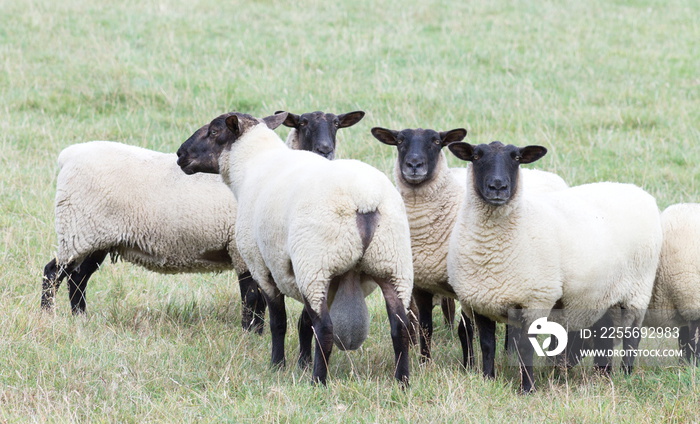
{"x": 611, "y": 88}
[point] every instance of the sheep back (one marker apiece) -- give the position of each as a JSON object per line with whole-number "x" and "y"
{"x": 139, "y": 205}
{"x": 586, "y": 247}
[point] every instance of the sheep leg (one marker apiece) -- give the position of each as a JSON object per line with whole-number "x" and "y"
{"x": 683, "y": 341}
{"x": 631, "y": 343}
{"x": 278, "y": 326}
{"x": 253, "y": 304}
{"x": 525, "y": 357}
{"x": 603, "y": 363}
{"x": 424, "y": 302}
{"x": 305, "y": 337}
{"x": 693, "y": 344}
{"x": 413, "y": 324}
{"x": 487, "y": 341}
{"x": 448, "y": 311}
{"x": 78, "y": 279}
{"x": 53, "y": 275}
{"x": 399, "y": 329}
{"x": 323, "y": 331}
{"x": 466, "y": 337}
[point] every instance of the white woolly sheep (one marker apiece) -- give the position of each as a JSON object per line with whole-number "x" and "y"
{"x": 433, "y": 194}
{"x": 311, "y": 229}
{"x": 171, "y": 224}
{"x": 675, "y": 301}
{"x": 584, "y": 249}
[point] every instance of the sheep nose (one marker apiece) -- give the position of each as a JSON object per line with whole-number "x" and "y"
{"x": 498, "y": 184}
{"x": 415, "y": 163}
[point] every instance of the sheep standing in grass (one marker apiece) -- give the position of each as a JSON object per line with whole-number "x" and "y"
{"x": 584, "y": 249}
{"x": 433, "y": 194}
{"x": 675, "y": 301}
{"x": 170, "y": 224}
{"x": 315, "y": 230}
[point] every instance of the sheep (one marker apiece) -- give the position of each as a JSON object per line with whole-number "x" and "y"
{"x": 583, "y": 249}
{"x": 433, "y": 194}
{"x": 675, "y": 301}
{"x": 311, "y": 229}
{"x": 95, "y": 216}
{"x": 316, "y": 131}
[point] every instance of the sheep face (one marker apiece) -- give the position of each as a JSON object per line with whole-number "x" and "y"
{"x": 495, "y": 167}
{"x": 200, "y": 152}
{"x": 317, "y": 130}
{"x": 419, "y": 150}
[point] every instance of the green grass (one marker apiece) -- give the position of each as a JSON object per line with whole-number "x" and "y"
{"x": 611, "y": 88}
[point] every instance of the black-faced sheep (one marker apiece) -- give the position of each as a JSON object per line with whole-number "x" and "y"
{"x": 433, "y": 194}
{"x": 583, "y": 249}
{"x": 311, "y": 229}
{"x": 171, "y": 224}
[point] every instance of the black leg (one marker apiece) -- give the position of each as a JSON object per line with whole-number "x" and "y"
{"x": 693, "y": 344}
{"x": 278, "y": 326}
{"x": 525, "y": 355}
{"x": 323, "y": 332}
{"x": 448, "y": 311}
{"x": 683, "y": 341}
{"x": 78, "y": 279}
{"x": 424, "y": 303}
{"x": 413, "y": 324}
{"x": 399, "y": 330}
{"x": 53, "y": 275}
{"x": 603, "y": 363}
{"x": 465, "y": 330}
{"x": 572, "y": 354}
{"x": 306, "y": 334}
{"x": 505, "y": 338}
{"x": 252, "y": 304}
{"x": 487, "y": 340}
{"x": 630, "y": 344}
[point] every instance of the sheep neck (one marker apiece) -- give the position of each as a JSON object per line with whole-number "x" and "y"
{"x": 235, "y": 162}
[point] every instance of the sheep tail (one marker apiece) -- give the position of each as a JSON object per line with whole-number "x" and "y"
{"x": 366, "y": 224}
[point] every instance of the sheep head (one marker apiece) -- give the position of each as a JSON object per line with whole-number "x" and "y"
{"x": 495, "y": 167}
{"x": 200, "y": 152}
{"x": 317, "y": 130}
{"x": 419, "y": 150}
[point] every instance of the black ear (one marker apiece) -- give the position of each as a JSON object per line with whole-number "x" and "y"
{"x": 351, "y": 118}
{"x": 233, "y": 125}
{"x": 292, "y": 120}
{"x": 274, "y": 121}
{"x": 385, "y": 136}
{"x": 530, "y": 154}
{"x": 464, "y": 151}
{"x": 452, "y": 136}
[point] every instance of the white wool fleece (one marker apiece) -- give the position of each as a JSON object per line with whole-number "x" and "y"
{"x": 139, "y": 204}
{"x": 676, "y": 296}
{"x": 300, "y": 218}
{"x": 588, "y": 247}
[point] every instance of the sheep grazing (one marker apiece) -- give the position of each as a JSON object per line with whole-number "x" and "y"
{"x": 583, "y": 249}
{"x": 675, "y": 301}
{"x": 315, "y": 230}
{"x": 433, "y": 194}
{"x": 316, "y": 131}
{"x": 97, "y": 213}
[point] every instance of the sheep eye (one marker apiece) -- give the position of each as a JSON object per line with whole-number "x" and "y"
{"x": 476, "y": 156}
{"x": 437, "y": 141}
{"x": 302, "y": 124}
{"x": 213, "y": 133}
{"x": 399, "y": 141}
{"x": 337, "y": 124}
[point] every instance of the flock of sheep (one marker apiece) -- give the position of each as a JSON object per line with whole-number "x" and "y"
{"x": 290, "y": 221}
